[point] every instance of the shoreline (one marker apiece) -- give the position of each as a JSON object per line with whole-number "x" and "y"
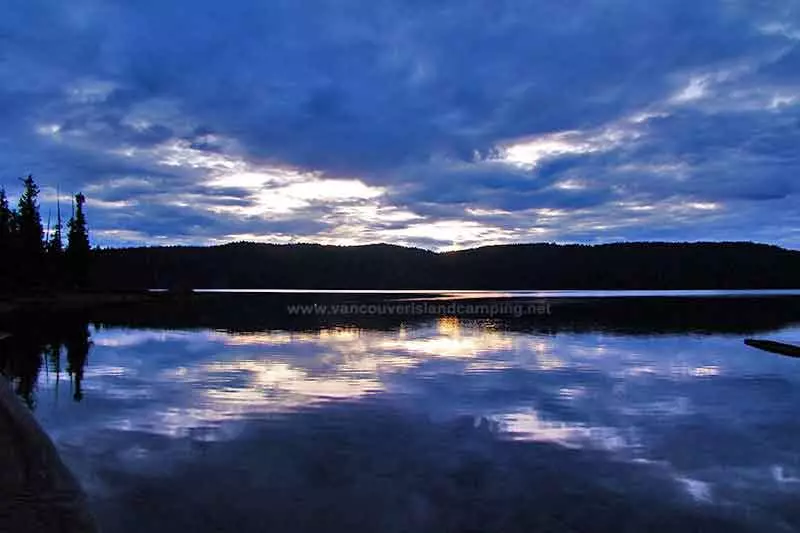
{"x": 61, "y": 302}
{"x": 39, "y": 492}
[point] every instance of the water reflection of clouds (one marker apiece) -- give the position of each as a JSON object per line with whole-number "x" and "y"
{"x": 530, "y": 426}
{"x": 279, "y": 337}
{"x": 279, "y": 370}
{"x": 461, "y": 347}
{"x": 699, "y": 490}
{"x": 123, "y": 338}
{"x": 779, "y": 473}
{"x": 449, "y": 339}
{"x": 244, "y": 374}
{"x": 290, "y": 386}
{"x": 626, "y": 396}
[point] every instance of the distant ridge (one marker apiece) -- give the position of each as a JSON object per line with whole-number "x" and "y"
{"x": 631, "y": 265}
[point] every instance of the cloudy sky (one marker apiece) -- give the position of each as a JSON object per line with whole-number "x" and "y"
{"x": 436, "y": 123}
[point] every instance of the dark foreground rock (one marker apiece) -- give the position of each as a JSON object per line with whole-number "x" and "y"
{"x": 37, "y": 491}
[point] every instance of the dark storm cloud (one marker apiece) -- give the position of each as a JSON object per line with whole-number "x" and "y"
{"x": 349, "y": 87}
{"x": 417, "y": 97}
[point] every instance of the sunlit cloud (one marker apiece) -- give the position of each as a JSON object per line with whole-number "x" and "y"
{"x": 302, "y": 194}
{"x": 254, "y": 180}
{"x": 451, "y": 234}
{"x": 695, "y": 89}
{"x": 530, "y": 153}
{"x": 703, "y": 206}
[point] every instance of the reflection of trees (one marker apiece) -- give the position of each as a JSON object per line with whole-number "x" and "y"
{"x": 254, "y": 313}
{"x": 77, "y": 344}
{"x": 53, "y": 361}
{"x": 24, "y": 353}
{"x": 24, "y": 365}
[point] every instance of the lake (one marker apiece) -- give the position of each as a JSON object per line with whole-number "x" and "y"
{"x": 222, "y": 412}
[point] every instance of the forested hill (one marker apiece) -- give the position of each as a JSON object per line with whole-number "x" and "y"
{"x": 646, "y": 265}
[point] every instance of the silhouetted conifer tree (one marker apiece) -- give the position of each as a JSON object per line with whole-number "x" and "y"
{"x": 78, "y": 248}
{"x": 6, "y": 220}
{"x": 30, "y": 238}
{"x": 55, "y": 249}
{"x": 55, "y": 245}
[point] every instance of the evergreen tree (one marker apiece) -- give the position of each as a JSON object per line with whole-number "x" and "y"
{"x": 6, "y": 224}
{"x": 5, "y": 220}
{"x": 55, "y": 246}
{"x": 78, "y": 248}
{"x": 55, "y": 250}
{"x": 30, "y": 238}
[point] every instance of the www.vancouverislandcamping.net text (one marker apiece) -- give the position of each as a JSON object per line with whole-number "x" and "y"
{"x": 422, "y": 308}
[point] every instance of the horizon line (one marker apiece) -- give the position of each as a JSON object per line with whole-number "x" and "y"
{"x": 439, "y": 252}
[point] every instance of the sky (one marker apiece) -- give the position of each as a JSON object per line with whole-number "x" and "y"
{"x": 442, "y": 124}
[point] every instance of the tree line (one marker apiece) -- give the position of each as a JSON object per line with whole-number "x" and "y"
{"x": 642, "y": 265}
{"x": 34, "y": 256}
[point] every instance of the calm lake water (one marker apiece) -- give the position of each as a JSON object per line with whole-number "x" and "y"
{"x": 646, "y": 417}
